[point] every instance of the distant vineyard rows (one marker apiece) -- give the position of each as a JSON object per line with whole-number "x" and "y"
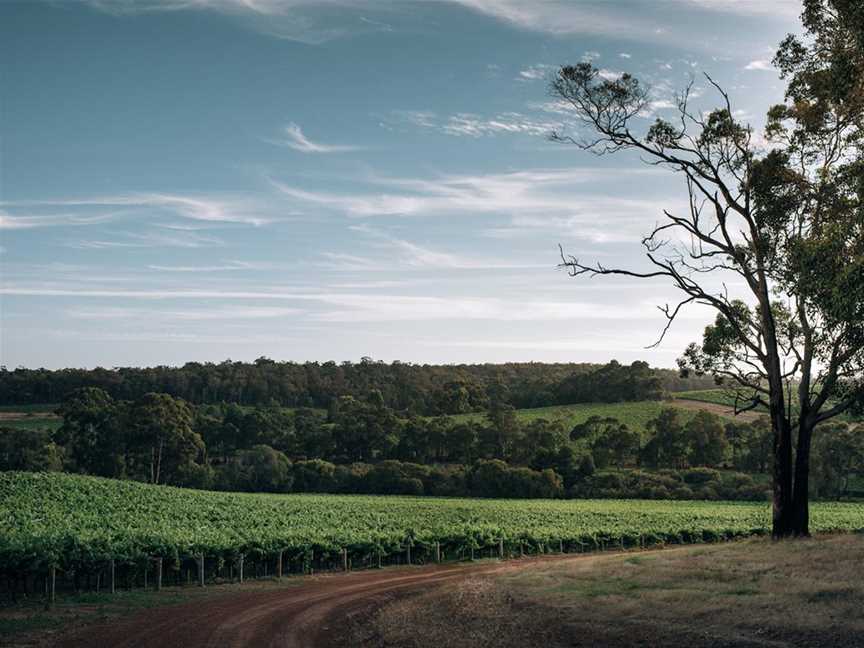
{"x": 72, "y": 522}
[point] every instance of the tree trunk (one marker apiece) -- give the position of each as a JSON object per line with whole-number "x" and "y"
{"x": 800, "y": 513}
{"x": 782, "y": 501}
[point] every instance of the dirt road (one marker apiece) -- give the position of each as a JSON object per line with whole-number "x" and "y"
{"x": 297, "y": 616}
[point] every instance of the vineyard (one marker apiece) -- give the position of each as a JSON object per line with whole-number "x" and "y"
{"x": 79, "y": 525}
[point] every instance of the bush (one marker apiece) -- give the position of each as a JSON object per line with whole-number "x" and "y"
{"x": 700, "y": 476}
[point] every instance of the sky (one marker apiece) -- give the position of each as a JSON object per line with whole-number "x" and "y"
{"x": 198, "y": 180}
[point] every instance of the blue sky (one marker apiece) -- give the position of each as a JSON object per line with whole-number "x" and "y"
{"x": 208, "y": 179}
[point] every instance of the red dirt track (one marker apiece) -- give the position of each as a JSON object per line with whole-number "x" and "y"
{"x": 298, "y": 616}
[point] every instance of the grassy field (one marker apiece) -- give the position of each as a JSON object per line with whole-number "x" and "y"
{"x": 725, "y": 397}
{"x": 752, "y": 593}
{"x": 31, "y": 423}
{"x": 716, "y": 396}
{"x": 39, "y": 408}
{"x": 30, "y": 417}
{"x": 634, "y": 414}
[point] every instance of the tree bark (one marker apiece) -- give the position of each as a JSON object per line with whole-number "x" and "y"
{"x": 783, "y": 472}
{"x": 800, "y": 513}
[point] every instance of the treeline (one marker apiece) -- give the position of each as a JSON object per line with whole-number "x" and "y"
{"x": 363, "y": 446}
{"x": 425, "y": 390}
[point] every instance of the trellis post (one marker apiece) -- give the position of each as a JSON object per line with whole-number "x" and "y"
{"x": 111, "y": 569}
{"x": 240, "y": 567}
{"x": 344, "y": 559}
{"x": 159, "y": 573}
{"x": 501, "y": 548}
{"x": 279, "y": 565}
{"x": 201, "y": 570}
{"x": 437, "y": 552}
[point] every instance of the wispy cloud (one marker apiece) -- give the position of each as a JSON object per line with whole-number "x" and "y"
{"x": 347, "y": 307}
{"x": 472, "y": 125}
{"x": 535, "y": 72}
{"x": 19, "y": 222}
{"x": 413, "y": 255}
{"x": 148, "y": 240}
{"x": 242, "y": 312}
{"x": 295, "y": 139}
{"x": 101, "y": 209}
{"x": 226, "y": 266}
{"x": 619, "y": 20}
{"x": 785, "y": 8}
{"x": 759, "y": 64}
{"x": 543, "y": 194}
{"x": 312, "y": 22}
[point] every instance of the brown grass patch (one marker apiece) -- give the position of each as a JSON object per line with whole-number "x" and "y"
{"x": 751, "y": 593}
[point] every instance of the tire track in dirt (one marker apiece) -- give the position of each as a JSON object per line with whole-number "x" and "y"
{"x": 297, "y": 616}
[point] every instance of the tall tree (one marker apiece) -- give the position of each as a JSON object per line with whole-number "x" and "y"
{"x": 93, "y": 433}
{"x": 786, "y": 219}
{"x": 162, "y": 442}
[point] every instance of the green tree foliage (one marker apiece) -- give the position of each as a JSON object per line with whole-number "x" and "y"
{"x": 162, "y": 445}
{"x": 612, "y": 383}
{"x": 365, "y": 430}
{"x": 93, "y": 433}
{"x": 408, "y": 388}
{"x": 706, "y": 438}
{"x": 494, "y": 478}
{"x": 258, "y": 469}
{"x": 751, "y": 445}
{"x": 617, "y": 446}
{"x": 498, "y": 438}
{"x": 668, "y": 447}
{"x": 592, "y": 428}
{"x": 839, "y": 459}
{"x": 32, "y": 450}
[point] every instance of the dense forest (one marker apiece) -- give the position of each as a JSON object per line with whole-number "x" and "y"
{"x": 360, "y": 442}
{"x": 425, "y": 390}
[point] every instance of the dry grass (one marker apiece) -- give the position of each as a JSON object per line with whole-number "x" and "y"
{"x": 753, "y": 593}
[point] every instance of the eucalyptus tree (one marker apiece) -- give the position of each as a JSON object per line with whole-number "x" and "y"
{"x": 782, "y": 214}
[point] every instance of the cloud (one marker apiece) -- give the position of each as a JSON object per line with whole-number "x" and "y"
{"x": 142, "y": 314}
{"x": 784, "y": 8}
{"x": 18, "y": 222}
{"x": 346, "y": 307}
{"x": 149, "y": 240}
{"x": 609, "y": 75}
{"x": 388, "y": 308}
{"x": 295, "y": 139}
{"x": 417, "y": 256}
{"x": 227, "y": 265}
{"x": 100, "y": 209}
{"x": 312, "y": 22}
{"x": 534, "y": 72}
{"x": 563, "y": 17}
{"x": 38, "y": 291}
{"x": 541, "y": 193}
{"x": 473, "y": 125}
{"x": 759, "y": 64}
